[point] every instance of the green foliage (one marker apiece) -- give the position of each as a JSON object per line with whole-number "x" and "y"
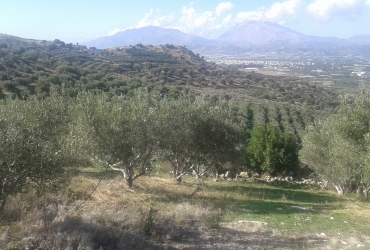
{"x": 200, "y": 135}
{"x": 337, "y": 148}
{"x": 271, "y": 151}
{"x": 26, "y": 63}
{"x": 34, "y": 144}
{"x": 119, "y": 130}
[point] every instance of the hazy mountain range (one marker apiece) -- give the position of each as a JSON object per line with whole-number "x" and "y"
{"x": 247, "y": 36}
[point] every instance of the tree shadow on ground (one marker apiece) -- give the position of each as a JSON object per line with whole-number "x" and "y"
{"x": 280, "y": 192}
{"x": 228, "y": 238}
{"x": 75, "y": 233}
{"x": 258, "y": 200}
{"x": 105, "y": 174}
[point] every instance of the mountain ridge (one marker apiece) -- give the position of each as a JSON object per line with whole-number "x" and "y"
{"x": 152, "y": 35}
{"x": 256, "y": 34}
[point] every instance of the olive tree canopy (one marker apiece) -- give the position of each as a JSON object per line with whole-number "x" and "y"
{"x": 337, "y": 148}
{"x": 34, "y": 144}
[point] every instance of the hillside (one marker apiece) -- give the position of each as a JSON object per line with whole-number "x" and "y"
{"x": 152, "y": 35}
{"x": 29, "y": 66}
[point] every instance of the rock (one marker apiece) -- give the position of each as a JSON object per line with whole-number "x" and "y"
{"x": 298, "y": 207}
{"x": 288, "y": 178}
{"x": 256, "y": 175}
{"x": 252, "y": 221}
{"x": 244, "y": 174}
{"x": 227, "y": 174}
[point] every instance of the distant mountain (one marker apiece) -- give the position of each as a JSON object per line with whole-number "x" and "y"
{"x": 269, "y": 33}
{"x": 363, "y": 39}
{"x": 259, "y": 33}
{"x": 257, "y": 37}
{"x": 152, "y": 35}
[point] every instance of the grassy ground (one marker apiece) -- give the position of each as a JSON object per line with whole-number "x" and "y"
{"x": 288, "y": 208}
{"x": 156, "y": 207}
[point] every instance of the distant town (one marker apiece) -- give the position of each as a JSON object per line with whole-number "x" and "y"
{"x": 330, "y": 71}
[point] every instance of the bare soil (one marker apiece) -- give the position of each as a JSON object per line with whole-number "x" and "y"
{"x": 258, "y": 235}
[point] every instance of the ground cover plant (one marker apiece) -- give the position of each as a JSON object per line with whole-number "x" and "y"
{"x": 157, "y": 213}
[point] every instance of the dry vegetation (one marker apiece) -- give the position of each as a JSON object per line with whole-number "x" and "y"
{"x": 159, "y": 214}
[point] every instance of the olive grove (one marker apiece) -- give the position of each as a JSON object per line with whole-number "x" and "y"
{"x": 337, "y": 148}
{"x": 35, "y": 146}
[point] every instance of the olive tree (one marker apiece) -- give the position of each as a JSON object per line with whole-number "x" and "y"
{"x": 199, "y": 134}
{"x": 121, "y": 131}
{"x": 337, "y": 148}
{"x": 272, "y": 151}
{"x": 34, "y": 146}
{"x": 218, "y": 139}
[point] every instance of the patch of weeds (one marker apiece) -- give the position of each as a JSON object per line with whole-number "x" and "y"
{"x": 148, "y": 222}
{"x": 213, "y": 219}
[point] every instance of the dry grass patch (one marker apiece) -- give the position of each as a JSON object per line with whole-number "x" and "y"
{"x": 157, "y": 212}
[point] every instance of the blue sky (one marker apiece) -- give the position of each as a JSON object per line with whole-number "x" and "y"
{"x": 84, "y": 20}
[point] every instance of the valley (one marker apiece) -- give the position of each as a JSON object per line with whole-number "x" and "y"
{"x": 156, "y": 139}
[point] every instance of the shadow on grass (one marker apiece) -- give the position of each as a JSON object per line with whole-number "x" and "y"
{"x": 227, "y": 238}
{"x": 111, "y": 236}
{"x": 73, "y": 230}
{"x": 106, "y": 174}
{"x": 274, "y": 207}
{"x": 259, "y": 199}
{"x": 294, "y": 194}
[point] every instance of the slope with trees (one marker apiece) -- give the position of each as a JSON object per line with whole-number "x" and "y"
{"x": 31, "y": 66}
{"x": 337, "y": 148}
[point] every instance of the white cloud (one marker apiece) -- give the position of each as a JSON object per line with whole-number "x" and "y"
{"x": 112, "y": 32}
{"x": 287, "y": 8}
{"x": 368, "y": 3}
{"x": 204, "y": 19}
{"x": 224, "y": 7}
{"x": 154, "y": 18}
{"x": 325, "y": 10}
{"x": 190, "y": 20}
{"x": 250, "y": 15}
{"x": 277, "y": 12}
{"x": 227, "y": 20}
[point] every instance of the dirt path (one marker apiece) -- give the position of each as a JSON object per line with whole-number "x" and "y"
{"x": 257, "y": 235}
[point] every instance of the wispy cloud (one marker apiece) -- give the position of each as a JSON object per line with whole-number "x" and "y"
{"x": 155, "y": 18}
{"x": 228, "y": 19}
{"x": 277, "y": 12}
{"x": 223, "y": 15}
{"x": 223, "y": 7}
{"x": 112, "y": 32}
{"x": 191, "y": 20}
{"x": 325, "y": 10}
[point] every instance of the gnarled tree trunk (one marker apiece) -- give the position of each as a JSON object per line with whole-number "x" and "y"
{"x": 340, "y": 190}
{"x": 2, "y": 204}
